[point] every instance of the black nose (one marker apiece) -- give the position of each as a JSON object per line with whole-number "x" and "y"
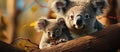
{"x": 53, "y": 35}
{"x": 79, "y": 21}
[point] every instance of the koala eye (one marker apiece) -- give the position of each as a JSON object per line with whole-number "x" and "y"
{"x": 87, "y": 16}
{"x": 72, "y": 17}
{"x": 41, "y": 24}
{"x": 49, "y": 33}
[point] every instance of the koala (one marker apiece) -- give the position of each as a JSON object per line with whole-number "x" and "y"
{"x": 81, "y": 19}
{"x": 54, "y": 32}
{"x": 60, "y": 7}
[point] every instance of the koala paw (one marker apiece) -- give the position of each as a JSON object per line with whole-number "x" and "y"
{"x": 61, "y": 41}
{"x": 49, "y": 45}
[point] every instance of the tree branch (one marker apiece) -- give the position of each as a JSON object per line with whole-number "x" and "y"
{"x": 107, "y": 40}
{"x": 4, "y": 47}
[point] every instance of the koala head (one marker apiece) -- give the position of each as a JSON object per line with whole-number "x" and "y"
{"x": 81, "y": 17}
{"x": 51, "y": 27}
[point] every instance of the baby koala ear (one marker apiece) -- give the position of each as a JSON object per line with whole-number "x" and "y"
{"x": 61, "y": 21}
{"x": 41, "y": 24}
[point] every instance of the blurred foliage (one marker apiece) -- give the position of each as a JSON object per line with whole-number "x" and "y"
{"x": 26, "y": 36}
{"x": 34, "y": 8}
{"x": 33, "y": 24}
{"x": 26, "y": 23}
{"x": 25, "y": 44}
{"x": 29, "y": 13}
{"x": 3, "y": 27}
{"x": 3, "y": 5}
{"x": 46, "y": 0}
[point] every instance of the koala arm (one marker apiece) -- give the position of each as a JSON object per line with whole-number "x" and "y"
{"x": 68, "y": 34}
{"x": 43, "y": 42}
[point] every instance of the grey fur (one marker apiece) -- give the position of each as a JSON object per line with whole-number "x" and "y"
{"x": 56, "y": 29}
{"x": 81, "y": 19}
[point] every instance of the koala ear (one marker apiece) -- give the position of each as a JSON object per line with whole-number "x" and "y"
{"x": 61, "y": 21}
{"x": 41, "y": 24}
{"x": 99, "y": 5}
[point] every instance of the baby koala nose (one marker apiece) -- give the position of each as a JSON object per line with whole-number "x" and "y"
{"x": 53, "y": 36}
{"x": 79, "y": 22}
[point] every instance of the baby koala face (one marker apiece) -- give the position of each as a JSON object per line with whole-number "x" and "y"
{"x": 53, "y": 29}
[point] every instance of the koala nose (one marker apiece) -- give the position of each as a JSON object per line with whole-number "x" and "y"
{"x": 53, "y": 35}
{"x": 79, "y": 21}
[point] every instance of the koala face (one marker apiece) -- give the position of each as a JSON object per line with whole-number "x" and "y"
{"x": 81, "y": 17}
{"x": 53, "y": 28}
{"x": 54, "y": 32}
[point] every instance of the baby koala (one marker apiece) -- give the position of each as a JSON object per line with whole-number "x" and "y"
{"x": 54, "y": 32}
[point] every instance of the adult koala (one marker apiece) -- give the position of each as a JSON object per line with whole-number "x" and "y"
{"x": 81, "y": 19}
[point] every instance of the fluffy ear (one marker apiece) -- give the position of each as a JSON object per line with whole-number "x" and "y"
{"x": 99, "y": 5}
{"x": 41, "y": 24}
{"x": 61, "y": 21}
{"x": 58, "y": 5}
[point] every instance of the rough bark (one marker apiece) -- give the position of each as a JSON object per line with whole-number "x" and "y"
{"x": 107, "y": 40}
